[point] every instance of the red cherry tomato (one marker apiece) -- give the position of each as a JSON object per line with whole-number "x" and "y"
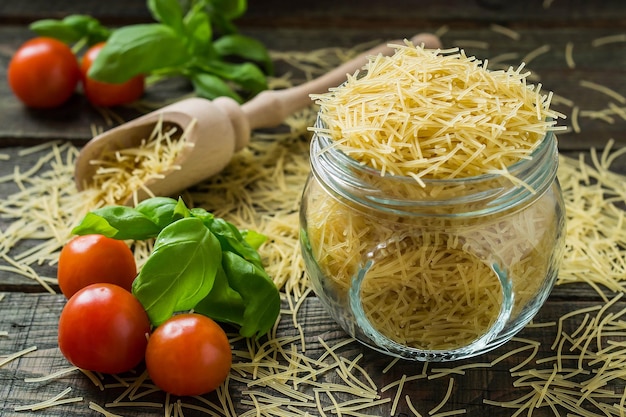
{"x": 43, "y": 73}
{"x": 92, "y": 259}
{"x": 188, "y": 355}
{"x": 103, "y": 328}
{"x": 106, "y": 94}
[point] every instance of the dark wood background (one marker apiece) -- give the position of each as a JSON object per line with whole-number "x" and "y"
{"x": 30, "y": 315}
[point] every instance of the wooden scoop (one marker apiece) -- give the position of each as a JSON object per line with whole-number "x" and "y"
{"x": 222, "y": 126}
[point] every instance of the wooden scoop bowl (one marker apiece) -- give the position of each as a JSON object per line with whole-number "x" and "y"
{"x": 222, "y": 126}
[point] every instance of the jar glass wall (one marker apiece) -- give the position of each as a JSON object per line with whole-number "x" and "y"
{"x": 441, "y": 270}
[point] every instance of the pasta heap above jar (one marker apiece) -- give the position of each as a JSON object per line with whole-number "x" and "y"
{"x": 436, "y": 114}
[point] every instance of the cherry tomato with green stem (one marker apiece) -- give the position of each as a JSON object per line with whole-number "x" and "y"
{"x": 103, "y": 328}
{"x": 91, "y": 259}
{"x": 189, "y": 354}
{"x": 43, "y": 73}
{"x": 108, "y": 94}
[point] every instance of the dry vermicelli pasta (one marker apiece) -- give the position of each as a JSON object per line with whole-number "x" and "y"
{"x": 429, "y": 282}
{"x": 579, "y": 377}
{"x": 283, "y": 157}
{"x": 569, "y": 56}
{"x": 604, "y": 90}
{"x": 14, "y": 356}
{"x": 594, "y": 249}
{"x": 120, "y": 174}
{"x": 50, "y": 402}
{"x": 420, "y": 107}
{"x": 530, "y": 56}
{"x": 604, "y": 40}
{"x": 503, "y": 30}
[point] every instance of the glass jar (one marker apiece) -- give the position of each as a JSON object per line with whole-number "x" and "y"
{"x": 443, "y": 270}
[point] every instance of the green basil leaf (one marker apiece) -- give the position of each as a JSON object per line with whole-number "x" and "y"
{"x": 180, "y": 270}
{"x": 198, "y": 30}
{"x": 259, "y": 293}
{"x": 202, "y": 214}
{"x": 254, "y": 239}
{"x": 138, "y": 49}
{"x": 118, "y": 222}
{"x": 72, "y": 29}
{"x": 89, "y": 27}
{"x": 228, "y": 9}
{"x": 55, "y": 29}
{"x": 223, "y": 303}
{"x": 222, "y": 24}
{"x": 94, "y": 224}
{"x": 168, "y": 12}
{"x": 211, "y": 86}
{"x": 244, "y": 47}
{"x": 246, "y": 74}
{"x": 162, "y": 210}
{"x": 181, "y": 209}
{"x": 233, "y": 241}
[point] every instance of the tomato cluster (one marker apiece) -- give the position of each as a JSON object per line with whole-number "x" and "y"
{"x": 44, "y": 73}
{"x": 104, "y": 328}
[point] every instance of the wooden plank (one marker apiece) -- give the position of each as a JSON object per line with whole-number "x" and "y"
{"x": 31, "y": 320}
{"x": 116, "y": 11}
{"x": 328, "y": 13}
{"x": 402, "y": 12}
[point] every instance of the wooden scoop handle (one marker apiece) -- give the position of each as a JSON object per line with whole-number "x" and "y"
{"x": 271, "y": 107}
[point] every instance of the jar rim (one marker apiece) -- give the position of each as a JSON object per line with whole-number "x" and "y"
{"x": 478, "y": 195}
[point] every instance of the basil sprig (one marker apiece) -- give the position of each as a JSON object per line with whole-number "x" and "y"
{"x": 198, "y": 41}
{"x": 198, "y": 262}
{"x": 75, "y": 28}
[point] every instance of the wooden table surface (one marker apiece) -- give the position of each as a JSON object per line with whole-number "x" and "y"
{"x": 571, "y": 46}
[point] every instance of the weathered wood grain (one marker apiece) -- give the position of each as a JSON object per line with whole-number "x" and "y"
{"x": 29, "y": 317}
{"x": 363, "y": 13}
